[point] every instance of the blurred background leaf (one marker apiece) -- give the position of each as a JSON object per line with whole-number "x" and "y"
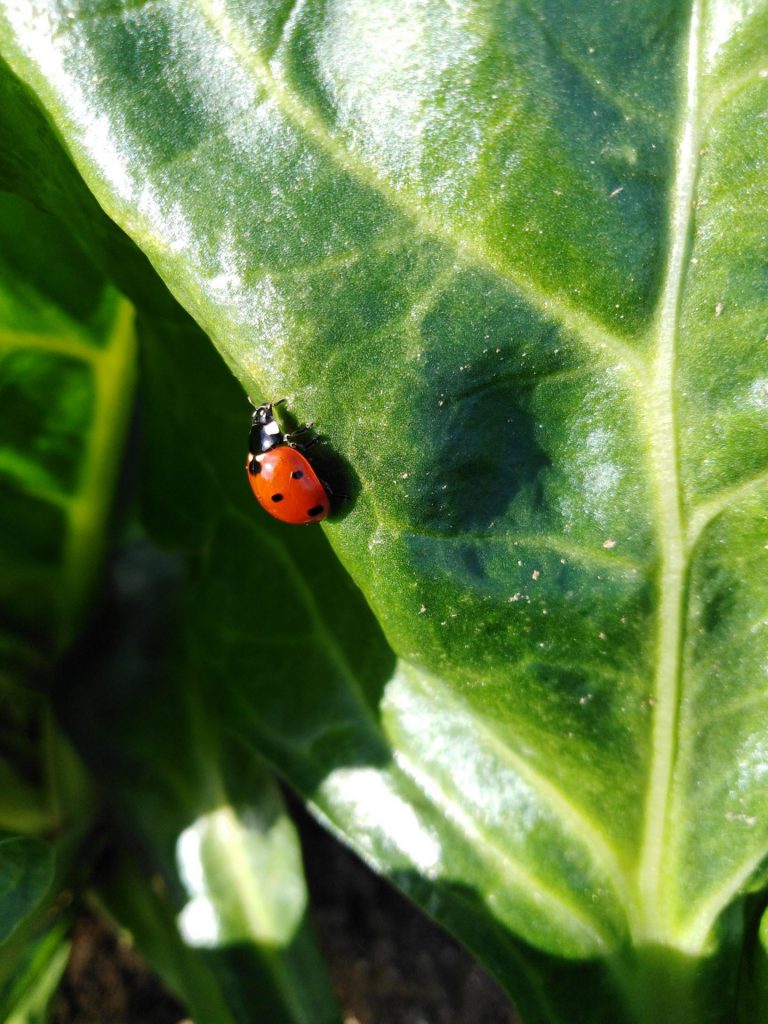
{"x": 67, "y": 374}
{"x": 26, "y": 995}
{"x": 26, "y": 870}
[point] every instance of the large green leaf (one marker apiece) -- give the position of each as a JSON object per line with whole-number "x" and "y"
{"x": 510, "y": 259}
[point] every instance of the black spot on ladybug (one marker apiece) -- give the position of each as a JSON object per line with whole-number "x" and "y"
{"x": 277, "y": 497}
{"x": 254, "y": 467}
{"x": 315, "y": 511}
{"x": 297, "y": 474}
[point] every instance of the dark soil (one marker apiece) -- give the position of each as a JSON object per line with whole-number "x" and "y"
{"x": 108, "y": 983}
{"x": 388, "y": 963}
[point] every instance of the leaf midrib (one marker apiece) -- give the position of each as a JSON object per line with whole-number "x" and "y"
{"x": 87, "y": 509}
{"x": 114, "y": 369}
{"x": 591, "y": 333}
{"x": 654, "y": 913}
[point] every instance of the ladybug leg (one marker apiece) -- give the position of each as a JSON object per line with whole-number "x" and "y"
{"x": 298, "y": 430}
{"x": 301, "y": 445}
{"x": 333, "y": 494}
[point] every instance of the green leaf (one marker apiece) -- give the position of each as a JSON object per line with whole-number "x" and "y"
{"x": 237, "y": 974}
{"x": 67, "y": 354}
{"x": 759, "y": 969}
{"x": 26, "y": 996}
{"x": 510, "y": 259}
{"x": 67, "y": 361}
{"x": 26, "y": 872}
{"x": 66, "y": 387}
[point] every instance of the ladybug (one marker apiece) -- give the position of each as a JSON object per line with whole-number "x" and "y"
{"x": 280, "y": 474}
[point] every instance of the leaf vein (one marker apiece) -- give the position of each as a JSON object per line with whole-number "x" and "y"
{"x": 695, "y": 934}
{"x": 733, "y": 86}
{"x": 71, "y": 346}
{"x": 590, "y": 332}
{"x": 451, "y": 810}
{"x": 703, "y": 514}
{"x": 567, "y": 812}
{"x": 553, "y": 542}
{"x": 587, "y": 74}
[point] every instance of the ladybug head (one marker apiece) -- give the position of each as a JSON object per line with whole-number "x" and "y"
{"x": 263, "y": 414}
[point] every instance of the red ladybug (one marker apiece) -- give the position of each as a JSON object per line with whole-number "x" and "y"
{"x": 281, "y": 476}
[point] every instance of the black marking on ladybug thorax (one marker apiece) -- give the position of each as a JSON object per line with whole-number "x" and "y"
{"x": 277, "y": 497}
{"x": 265, "y": 436}
{"x": 315, "y": 511}
{"x": 297, "y": 474}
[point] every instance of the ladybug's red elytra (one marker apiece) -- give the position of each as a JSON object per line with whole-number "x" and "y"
{"x": 281, "y": 475}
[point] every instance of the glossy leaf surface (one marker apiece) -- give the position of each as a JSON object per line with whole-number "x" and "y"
{"x": 510, "y": 260}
